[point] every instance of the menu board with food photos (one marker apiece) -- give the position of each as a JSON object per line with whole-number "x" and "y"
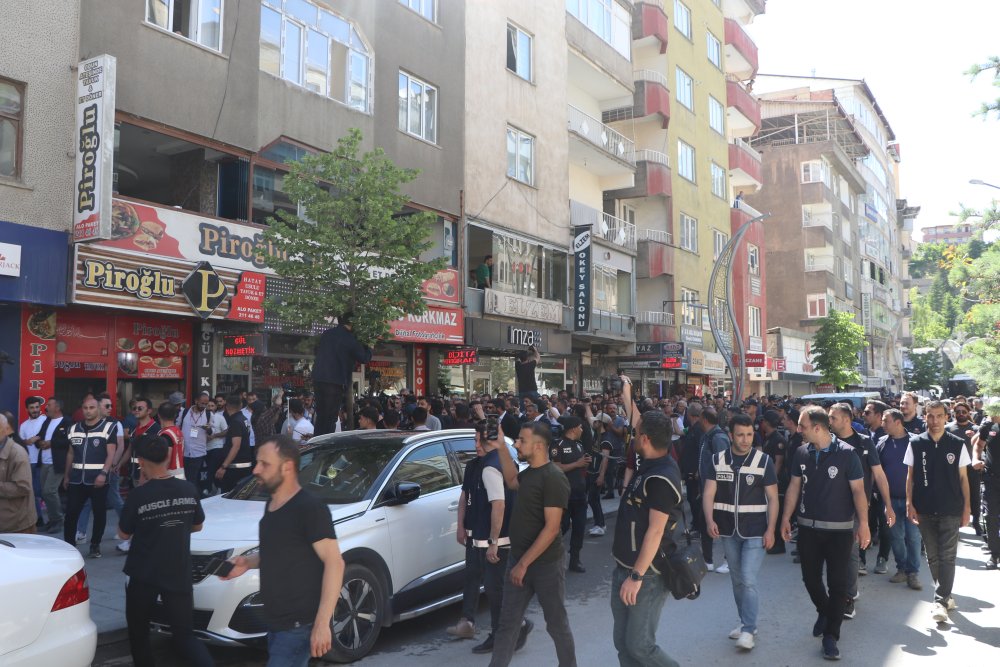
{"x": 442, "y": 286}
{"x": 150, "y": 349}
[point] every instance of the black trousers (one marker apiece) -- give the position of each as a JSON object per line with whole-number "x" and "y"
{"x": 779, "y": 541}
{"x": 991, "y": 513}
{"x": 876, "y": 518}
{"x": 139, "y": 600}
{"x": 76, "y": 496}
{"x": 478, "y": 571}
{"x": 575, "y": 515}
{"x": 329, "y": 399}
{"x": 231, "y": 477}
{"x": 976, "y": 497}
{"x": 698, "y": 517}
{"x": 192, "y": 471}
{"x": 594, "y": 500}
{"x": 213, "y": 459}
{"x": 831, "y": 548}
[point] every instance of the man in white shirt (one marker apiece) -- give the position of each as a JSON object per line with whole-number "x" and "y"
{"x": 29, "y": 432}
{"x": 48, "y": 474}
{"x": 214, "y": 454}
{"x": 196, "y": 427}
{"x": 298, "y": 426}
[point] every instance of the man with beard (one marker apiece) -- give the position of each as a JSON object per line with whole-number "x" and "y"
{"x": 964, "y": 428}
{"x": 911, "y": 421}
{"x": 301, "y": 569}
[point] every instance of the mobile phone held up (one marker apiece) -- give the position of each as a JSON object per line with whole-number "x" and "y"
{"x": 492, "y": 427}
{"x": 219, "y": 567}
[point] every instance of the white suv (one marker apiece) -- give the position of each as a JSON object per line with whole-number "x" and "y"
{"x": 394, "y": 499}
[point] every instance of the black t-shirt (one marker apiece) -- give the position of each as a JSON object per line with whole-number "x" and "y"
{"x": 989, "y": 433}
{"x": 959, "y": 430}
{"x": 916, "y": 425}
{"x": 291, "y": 574}
{"x": 538, "y": 488}
{"x": 570, "y": 451}
{"x": 526, "y": 376}
{"x": 866, "y": 451}
{"x": 237, "y": 428}
{"x": 159, "y": 515}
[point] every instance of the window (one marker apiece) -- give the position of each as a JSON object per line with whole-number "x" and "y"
{"x": 11, "y": 115}
{"x": 685, "y": 160}
{"x": 520, "y": 155}
{"x": 519, "y": 52}
{"x": 682, "y": 18}
{"x": 417, "y": 108}
{"x": 816, "y": 305}
{"x": 464, "y": 451}
{"x": 812, "y": 171}
{"x": 689, "y": 233}
{"x": 718, "y": 181}
{"x": 426, "y": 8}
{"x": 608, "y": 19}
{"x": 716, "y": 115}
{"x": 685, "y": 89}
{"x": 714, "y": 50}
{"x": 428, "y": 467}
{"x": 688, "y": 308}
{"x": 719, "y": 241}
{"x": 628, "y": 213}
{"x": 754, "y": 321}
{"x": 198, "y": 20}
{"x": 315, "y": 49}
{"x": 753, "y": 259}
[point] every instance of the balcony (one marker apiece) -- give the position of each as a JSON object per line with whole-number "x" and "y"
{"x": 743, "y": 11}
{"x": 604, "y": 324}
{"x": 594, "y": 65}
{"x": 599, "y": 148}
{"x": 652, "y": 177}
{"x": 656, "y": 254}
{"x": 881, "y": 294}
{"x": 826, "y": 263}
{"x": 654, "y": 317}
{"x": 742, "y": 109}
{"x": 650, "y": 102}
{"x": 650, "y": 24}
{"x": 606, "y": 227}
{"x": 740, "y": 52}
{"x": 745, "y": 170}
{"x": 907, "y": 252}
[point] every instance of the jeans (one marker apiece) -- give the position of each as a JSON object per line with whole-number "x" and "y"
{"x": 940, "y": 533}
{"x": 833, "y": 549}
{"x": 77, "y": 495}
{"x": 329, "y": 398}
{"x": 192, "y": 471}
{"x": 114, "y": 500}
{"x": 905, "y": 539}
{"x": 50, "y": 481}
{"x": 745, "y": 555}
{"x": 575, "y": 515}
{"x": 991, "y": 513}
{"x": 594, "y": 500}
{"x": 548, "y": 581}
{"x": 882, "y": 526}
{"x": 634, "y": 630}
{"x": 140, "y": 597}
{"x": 289, "y": 648}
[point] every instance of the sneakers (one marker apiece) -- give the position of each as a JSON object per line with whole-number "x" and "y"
{"x": 723, "y": 569}
{"x": 862, "y": 569}
{"x": 991, "y": 564}
{"x": 849, "y": 610}
{"x": 122, "y": 547}
{"x": 596, "y": 531}
{"x": 899, "y": 578}
{"x": 575, "y": 566}
{"x": 81, "y": 538}
{"x": 951, "y": 604}
{"x": 881, "y": 566}
{"x": 95, "y": 552}
{"x": 464, "y": 629}
{"x": 522, "y": 637}
{"x": 710, "y": 567}
{"x": 745, "y": 641}
{"x": 939, "y": 613}
{"x": 819, "y": 627}
{"x": 485, "y": 647}
{"x": 830, "y": 650}
{"x": 736, "y": 632}
{"x": 913, "y": 582}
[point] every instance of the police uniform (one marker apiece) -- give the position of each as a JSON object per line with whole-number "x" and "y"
{"x": 566, "y": 452}
{"x": 89, "y": 445}
{"x": 740, "y": 505}
{"x": 975, "y": 477}
{"x": 989, "y": 434}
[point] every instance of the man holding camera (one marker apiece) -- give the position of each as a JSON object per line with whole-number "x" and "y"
{"x": 524, "y": 369}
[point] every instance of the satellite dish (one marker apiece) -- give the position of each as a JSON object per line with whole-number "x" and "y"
{"x": 952, "y": 350}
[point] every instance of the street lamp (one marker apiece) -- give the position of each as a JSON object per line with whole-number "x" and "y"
{"x": 976, "y": 181}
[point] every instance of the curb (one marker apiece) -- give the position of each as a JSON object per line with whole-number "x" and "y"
{"x": 112, "y": 636}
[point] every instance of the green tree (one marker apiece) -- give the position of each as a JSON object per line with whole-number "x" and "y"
{"x": 925, "y": 370}
{"x": 836, "y": 347}
{"x": 927, "y": 325}
{"x": 927, "y": 259}
{"x": 992, "y": 64}
{"x": 981, "y": 360}
{"x": 353, "y": 250}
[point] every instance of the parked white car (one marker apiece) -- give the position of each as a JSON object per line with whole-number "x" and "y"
{"x": 44, "y": 604}
{"x": 394, "y": 499}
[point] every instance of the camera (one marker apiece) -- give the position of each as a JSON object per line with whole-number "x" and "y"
{"x": 492, "y": 427}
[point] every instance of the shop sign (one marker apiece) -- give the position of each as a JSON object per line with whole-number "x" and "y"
{"x": 386, "y": 369}
{"x": 779, "y": 364}
{"x": 243, "y": 345}
{"x": 81, "y": 369}
{"x": 10, "y": 260}
{"x": 692, "y": 335}
{"x": 871, "y": 213}
{"x": 581, "y": 277}
{"x": 142, "y": 282}
{"x": 522, "y": 337}
{"x": 659, "y": 350}
{"x": 756, "y": 360}
{"x": 204, "y": 290}
{"x": 461, "y": 357}
{"x": 672, "y": 363}
{"x": 95, "y": 148}
{"x": 707, "y": 363}
{"x": 825, "y": 388}
{"x": 38, "y": 356}
{"x": 82, "y": 334}
{"x": 204, "y": 361}
{"x": 248, "y": 301}
{"x": 522, "y": 307}
{"x": 148, "y": 367}
{"x": 152, "y": 337}
{"x": 436, "y": 325}
{"x": 420, "y": 370}
{"x": 442, "y": 286}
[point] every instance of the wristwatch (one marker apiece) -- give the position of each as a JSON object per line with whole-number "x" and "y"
{"x": 490, "y": 541}
{"x": 634, "y": 576}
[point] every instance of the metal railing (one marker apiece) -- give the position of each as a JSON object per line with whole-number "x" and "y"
{"x": 605, "y": 226}
{"x": 658, "y": 235}
{"x": 748, "y": 149}
{"x": 820, "y": 263}
{"x": 613, "y": 142}
{"x": 650, "y": 75}
{"x": 654, "y": 317}
{"x": 649, "y": 155}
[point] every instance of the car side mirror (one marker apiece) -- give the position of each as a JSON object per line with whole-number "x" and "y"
{"x": 402, "y": 493}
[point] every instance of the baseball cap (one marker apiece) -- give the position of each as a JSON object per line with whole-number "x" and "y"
{"x": 176, "y": 398}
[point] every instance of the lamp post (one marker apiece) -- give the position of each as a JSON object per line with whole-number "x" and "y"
{"x": 976, "y": 181}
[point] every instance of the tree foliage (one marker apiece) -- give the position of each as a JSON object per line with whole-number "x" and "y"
{"x": 925, "y": 370}
{"x": 927, "y": 259}
{"x": 927, "y": 326}
{"x": 836, "y": 347}
{"x": 992, "y": 64}
{"x": 353, "y": 250}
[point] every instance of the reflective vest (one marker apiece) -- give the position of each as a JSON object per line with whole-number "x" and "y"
{"x": 633, "y": 514}
{"x": 826, "y": 501}
{"x": 478, "y": 513}
{"x": 740, "y": 502}
{"x": 90, "y": 449}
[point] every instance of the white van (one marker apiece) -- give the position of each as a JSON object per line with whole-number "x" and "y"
{"x": 857, "y": 398}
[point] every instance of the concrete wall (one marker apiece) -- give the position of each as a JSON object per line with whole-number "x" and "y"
{"x": 38, "y": 47}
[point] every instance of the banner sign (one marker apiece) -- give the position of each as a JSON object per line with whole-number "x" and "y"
{"x": 436, "y": 325}
{"x": 779, "y": 364}
{"x": 659, "y": 351}
{"x": 581, "y": 277}
{"x": 522, "y": 307}
{"x": 95, "y": 148}
{"x": 462, "y": 357}
{"x": 243, "y": 345}
{"x": 442, "y": 286}
{"x": 756, "y": 360}
{"x": 10, "y": 260}
{"x": 38, "y": 357}
{"x": 420, "y": 370}
{"x": 692, "y": 335}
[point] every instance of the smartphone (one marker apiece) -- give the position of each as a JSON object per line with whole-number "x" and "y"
{"x": 492, "y": 427}
{"x": 219, "y": 567}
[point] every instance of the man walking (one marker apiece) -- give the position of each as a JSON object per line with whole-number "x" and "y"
{"x": 741, "y": 505}
{"x": 776, "y": 447}
{"x": 964, "y": 428}
{"x": 337, "y": 353}
{"x": 51, "y": 447}
{"x": 17, "y": 499}
{"x": 937, "y": 500}
{"x": 196, "y": 427}
{"x": 30, "y": 433}
{"x": 827, "y": 493}
{"x": 987, "y": 461}
{"x": 904, "y": 536}
{"x": 568, "y": 456}
{"x": 911, "y": 421}
{"x": 88, "y": 467}
{"x": 713, "y": 442}
{"x": 535, "y": 564}
{"x": 158, "y": 519}
{"x": 301, "y": 569}
{"x": 648, "y": 513}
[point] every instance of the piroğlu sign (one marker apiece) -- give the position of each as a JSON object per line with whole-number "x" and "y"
{"x": 95, "y": 132}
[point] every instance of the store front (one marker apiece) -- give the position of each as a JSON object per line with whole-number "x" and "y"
{"x": 707, "y": 375}
{"x": 498, "y": 343}
{"x": 659, "y": 369}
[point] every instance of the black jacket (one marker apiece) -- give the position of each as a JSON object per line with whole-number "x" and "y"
{"x": 337, "y": 353}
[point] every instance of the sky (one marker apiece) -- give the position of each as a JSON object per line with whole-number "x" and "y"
{"x": 913, "y": 55}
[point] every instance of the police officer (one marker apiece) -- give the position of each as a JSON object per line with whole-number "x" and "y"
{"x": 911, "y": 420}
{"x": 568, "y": 455}
{"x": 827, "y": 493}
{"x": 964, "y": 428}
{"x": 987, "y": 461}
{"x": 88, "y": 467}
{"x": 776, "y": 447}
{"x": 237, "y": 459}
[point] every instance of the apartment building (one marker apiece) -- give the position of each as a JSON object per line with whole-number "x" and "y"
{"x": 951, "y": 234}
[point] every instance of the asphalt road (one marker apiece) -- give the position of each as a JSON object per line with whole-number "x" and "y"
{"x": 893, "y": 626}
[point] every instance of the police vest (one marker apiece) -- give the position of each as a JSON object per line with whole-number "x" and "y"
{"x": 826, "y": 501}
{"x": 740, "y": 502}
{"x": 90, "y": 449}
{"x": 633, "y": 514}
{"x": 937, "y": 483}
{"x": 478, "y": 514}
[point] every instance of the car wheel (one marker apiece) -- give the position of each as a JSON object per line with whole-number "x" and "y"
{"x": 357, "y": 620}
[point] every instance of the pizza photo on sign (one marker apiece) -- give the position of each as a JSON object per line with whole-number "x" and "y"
{"x": 43, "y": 324}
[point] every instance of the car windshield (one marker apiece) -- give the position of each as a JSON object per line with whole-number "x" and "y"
{"x": 339, "y": 474}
